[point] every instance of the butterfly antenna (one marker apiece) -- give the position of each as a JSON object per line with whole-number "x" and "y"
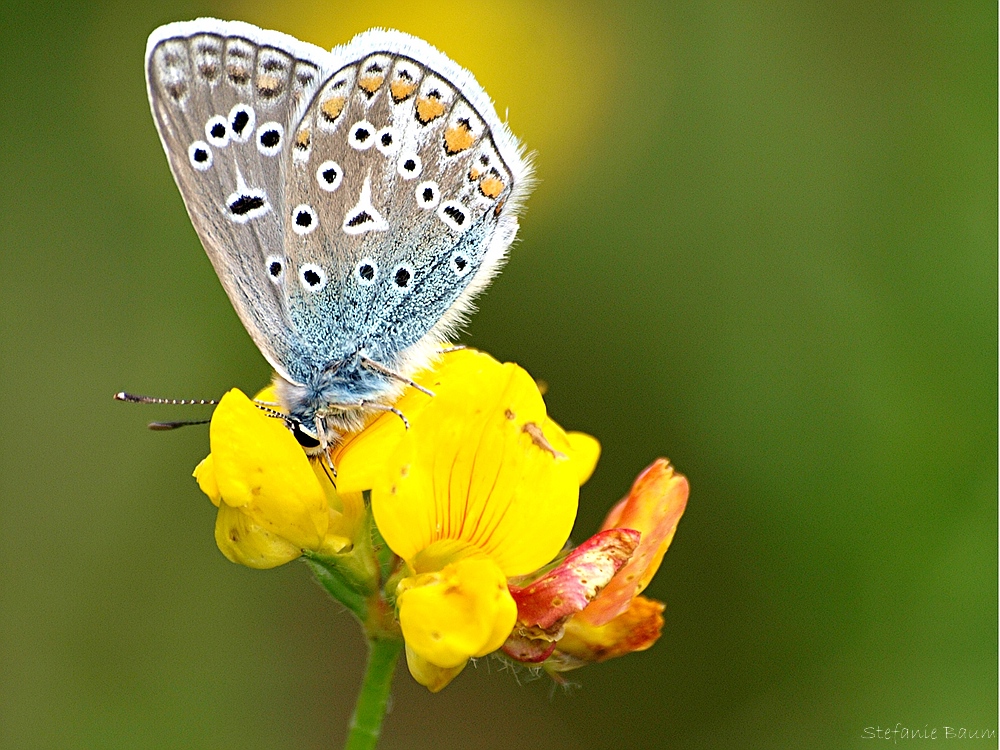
{"x": 133, "y": 398}
{"x": 266, "y": 408}
{"x": 160, "y": 426}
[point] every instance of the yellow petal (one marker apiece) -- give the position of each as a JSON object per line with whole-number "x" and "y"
{"x": 478, "y": 466}
{"x": 361, "y": 456}
{"x": 432, "y": 677}
{"x": 441, "y": 553}
{"x": 585, "y": 451}
{"x": 334, "y": 543}
{"x": 462, "y": 611}
{"x": 262, "y": 470}
{"x": 204, "y": 474}
{"x": 245, "y": 542}
{"x": 582, "y": 449}
{"x": 347, "y": 510}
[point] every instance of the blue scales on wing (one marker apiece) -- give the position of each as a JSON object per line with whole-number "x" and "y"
{"x": 400, "y": 186}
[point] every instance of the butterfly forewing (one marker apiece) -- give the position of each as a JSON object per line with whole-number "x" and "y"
{"x": 225, "y": 97}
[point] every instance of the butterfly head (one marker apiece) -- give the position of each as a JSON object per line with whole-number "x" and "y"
{"x": 305, "y": 436}
{"x": 335, "y": 400}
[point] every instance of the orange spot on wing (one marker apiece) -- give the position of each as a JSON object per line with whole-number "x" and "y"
{"x": 237, "y": 74}
{"x": 475, "y": 174}
{"x": 370, "y": 83}
{"x": 303, "y": 138}
{"x": 429, "y": 108}
{"x": 402, "y": 88}
{"x": 268, "y": 85}
{"x": 332, "y": 107}
{"x": 491, "y": 185}
{"x": 458, "y": 137}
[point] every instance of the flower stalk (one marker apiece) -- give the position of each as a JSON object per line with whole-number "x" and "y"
{"x": 373, "y": 700}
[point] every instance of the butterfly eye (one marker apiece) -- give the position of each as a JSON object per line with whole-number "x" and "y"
{"x": 361, "y": 135}
{"x": 241, "y": 123}
{"x": 302, "y": 437}
{"x": 200, "y": 155}
{"x": 217, "y": 132}
{"x": 366, "y": 272}
{"x": 428, "y": 194}
{"x": 455, "y": 215}
{"x": 409, "y": 166}
{"x": 329, "y": 176}
{"x": 387, "y": 141}
{"x": 402, "y": 277}
{"x": 304, "y": 219}
{"x": 269, "y": 138}
{"x": 460, "y": 264}
{"x": 313, "y": 277}
{"x": 275, "y": 268}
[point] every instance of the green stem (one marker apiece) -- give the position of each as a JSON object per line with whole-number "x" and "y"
{"x": 338, "y": 588}
{"x": 366, "y": 723}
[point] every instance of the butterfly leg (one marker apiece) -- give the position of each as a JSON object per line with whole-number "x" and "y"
{"x": 393, "y": 409}
{"x": 371, "y": 364}
{"x": 321, "y": 435}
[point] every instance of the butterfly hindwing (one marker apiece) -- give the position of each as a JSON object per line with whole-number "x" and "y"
{"x": 402, "y": 187}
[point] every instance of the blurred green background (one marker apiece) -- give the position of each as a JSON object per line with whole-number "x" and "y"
{"x": 764, "y": 244}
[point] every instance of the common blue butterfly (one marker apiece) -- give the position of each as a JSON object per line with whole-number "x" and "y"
{"x": 352, "y": 202}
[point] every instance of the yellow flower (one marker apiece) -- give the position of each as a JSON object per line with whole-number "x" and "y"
{"x": 482, "y": 487}
{"x": 273, "y": 503}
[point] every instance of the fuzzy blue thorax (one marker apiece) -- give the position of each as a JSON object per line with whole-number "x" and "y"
{"x": 337, "y": 399}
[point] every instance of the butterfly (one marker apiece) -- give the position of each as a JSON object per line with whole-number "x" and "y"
{"x": 352, "y": 202}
